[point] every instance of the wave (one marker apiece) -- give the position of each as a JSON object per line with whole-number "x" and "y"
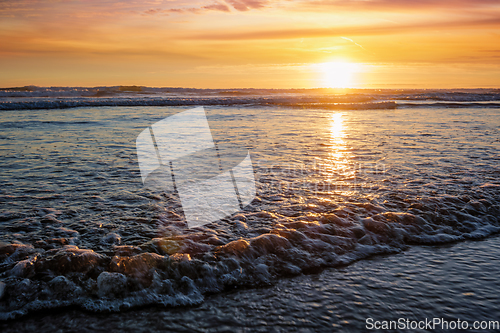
{"x": 180, "y": 269}
{"x": 309, "y": 103}
{"x": 450, "y": 105}
{"x": 72, "y": 103}
{"x": 32, "y": 98}
{"x": 289, "y": 102}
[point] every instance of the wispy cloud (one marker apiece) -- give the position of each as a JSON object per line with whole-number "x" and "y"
{"x": 215, "y": 6}
{"x": 340, "y": 31}
{"x": 345, "y": 38}
{"x": 245, "y": 5}
{"x": 30, "y": 8}
{"x": 394, "y": 5}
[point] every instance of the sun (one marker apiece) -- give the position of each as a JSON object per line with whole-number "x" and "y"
{"x": 338, "y": 74}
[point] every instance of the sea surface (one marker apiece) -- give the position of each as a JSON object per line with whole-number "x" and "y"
{"x": 369, "y": 203}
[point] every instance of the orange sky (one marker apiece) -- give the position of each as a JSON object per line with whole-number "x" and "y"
{"x": 250, "y": 43}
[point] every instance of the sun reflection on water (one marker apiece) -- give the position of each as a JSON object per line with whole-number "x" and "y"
{"x": 338, "y": 166}
{"x": 338, "y": 154}
{"x": 337, "y": 129}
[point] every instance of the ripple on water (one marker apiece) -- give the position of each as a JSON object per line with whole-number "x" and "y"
{"x": 88, "y": 234}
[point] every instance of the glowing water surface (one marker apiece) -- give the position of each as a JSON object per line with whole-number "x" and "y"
{"x": 78, "y": 228}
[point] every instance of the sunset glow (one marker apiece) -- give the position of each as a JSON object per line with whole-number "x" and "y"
{"x": 251, "y": 43}
{"x": 338, "y": 74}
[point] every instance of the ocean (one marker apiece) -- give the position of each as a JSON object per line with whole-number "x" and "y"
{"x": 379, "y": 204}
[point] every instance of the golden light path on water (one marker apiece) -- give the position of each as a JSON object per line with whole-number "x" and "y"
{"x": 338, "y": 168}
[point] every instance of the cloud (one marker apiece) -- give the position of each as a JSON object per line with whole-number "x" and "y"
{"x": 216, "y": 6}
{"x": 341, "y": 31}
{"x": 118, "y": 9}
{"x": 153, "y": 11}
{"x": 394, "y": 5}
{"x": 245, "y": 5}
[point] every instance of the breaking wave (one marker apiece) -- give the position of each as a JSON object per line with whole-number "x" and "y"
{"x": 32, "y": 97}
{"x": 178, "y": 270}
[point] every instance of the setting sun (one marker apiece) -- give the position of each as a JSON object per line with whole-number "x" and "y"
{"x": 338, "y": 74}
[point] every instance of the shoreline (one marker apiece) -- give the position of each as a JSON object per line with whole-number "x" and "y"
{"x": 422, "y": 282}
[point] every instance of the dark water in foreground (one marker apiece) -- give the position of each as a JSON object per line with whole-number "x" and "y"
{"x": 78, "y": 229}
{"x": 451, "y": 282}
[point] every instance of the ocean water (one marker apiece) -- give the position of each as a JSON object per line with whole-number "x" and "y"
{"x": 448, "y": 282}
{"x": 340, "y": 177}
